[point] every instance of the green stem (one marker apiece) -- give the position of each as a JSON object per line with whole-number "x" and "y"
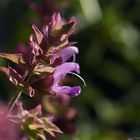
{"x": 13, "y": 101}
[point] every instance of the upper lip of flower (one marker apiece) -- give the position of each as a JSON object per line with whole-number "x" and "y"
{"x": 68, "y": 52}
{"x": 63, "y": 69}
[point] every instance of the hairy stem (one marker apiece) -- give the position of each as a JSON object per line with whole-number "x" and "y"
{"x": 13, "y": 101}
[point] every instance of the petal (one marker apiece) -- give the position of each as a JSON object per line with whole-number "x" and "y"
{"x": 63, "y": 69}
{"x": 68, "y": 52}
{"x": 70, "y": 91}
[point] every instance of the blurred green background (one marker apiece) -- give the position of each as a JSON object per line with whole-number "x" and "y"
{"x": 108, "y": 36}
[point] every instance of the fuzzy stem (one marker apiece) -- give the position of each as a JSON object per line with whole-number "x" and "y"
{"x": 13, "y": 101}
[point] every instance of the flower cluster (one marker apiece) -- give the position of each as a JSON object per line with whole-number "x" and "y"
{"x": 44, "y": 64}
{"x": 40, "y": 69}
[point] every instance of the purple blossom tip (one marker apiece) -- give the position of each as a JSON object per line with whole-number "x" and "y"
{"x": 68, "y": 53}
{"x": 62, "y": 70}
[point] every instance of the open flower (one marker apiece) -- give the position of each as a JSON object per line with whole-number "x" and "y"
{"x": 52, "y": 83}
{"x": 60, "y": 72}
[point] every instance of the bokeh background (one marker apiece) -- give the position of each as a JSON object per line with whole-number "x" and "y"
{"x": 108, "y": 36}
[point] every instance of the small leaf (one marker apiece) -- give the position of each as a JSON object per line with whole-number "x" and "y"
{"x": 39, "y": 35}
{"x": 44, "y": 69}
{"x": 16, "y": 58}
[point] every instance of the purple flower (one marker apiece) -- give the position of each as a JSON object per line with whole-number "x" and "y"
{"x": 59, "y": 74}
